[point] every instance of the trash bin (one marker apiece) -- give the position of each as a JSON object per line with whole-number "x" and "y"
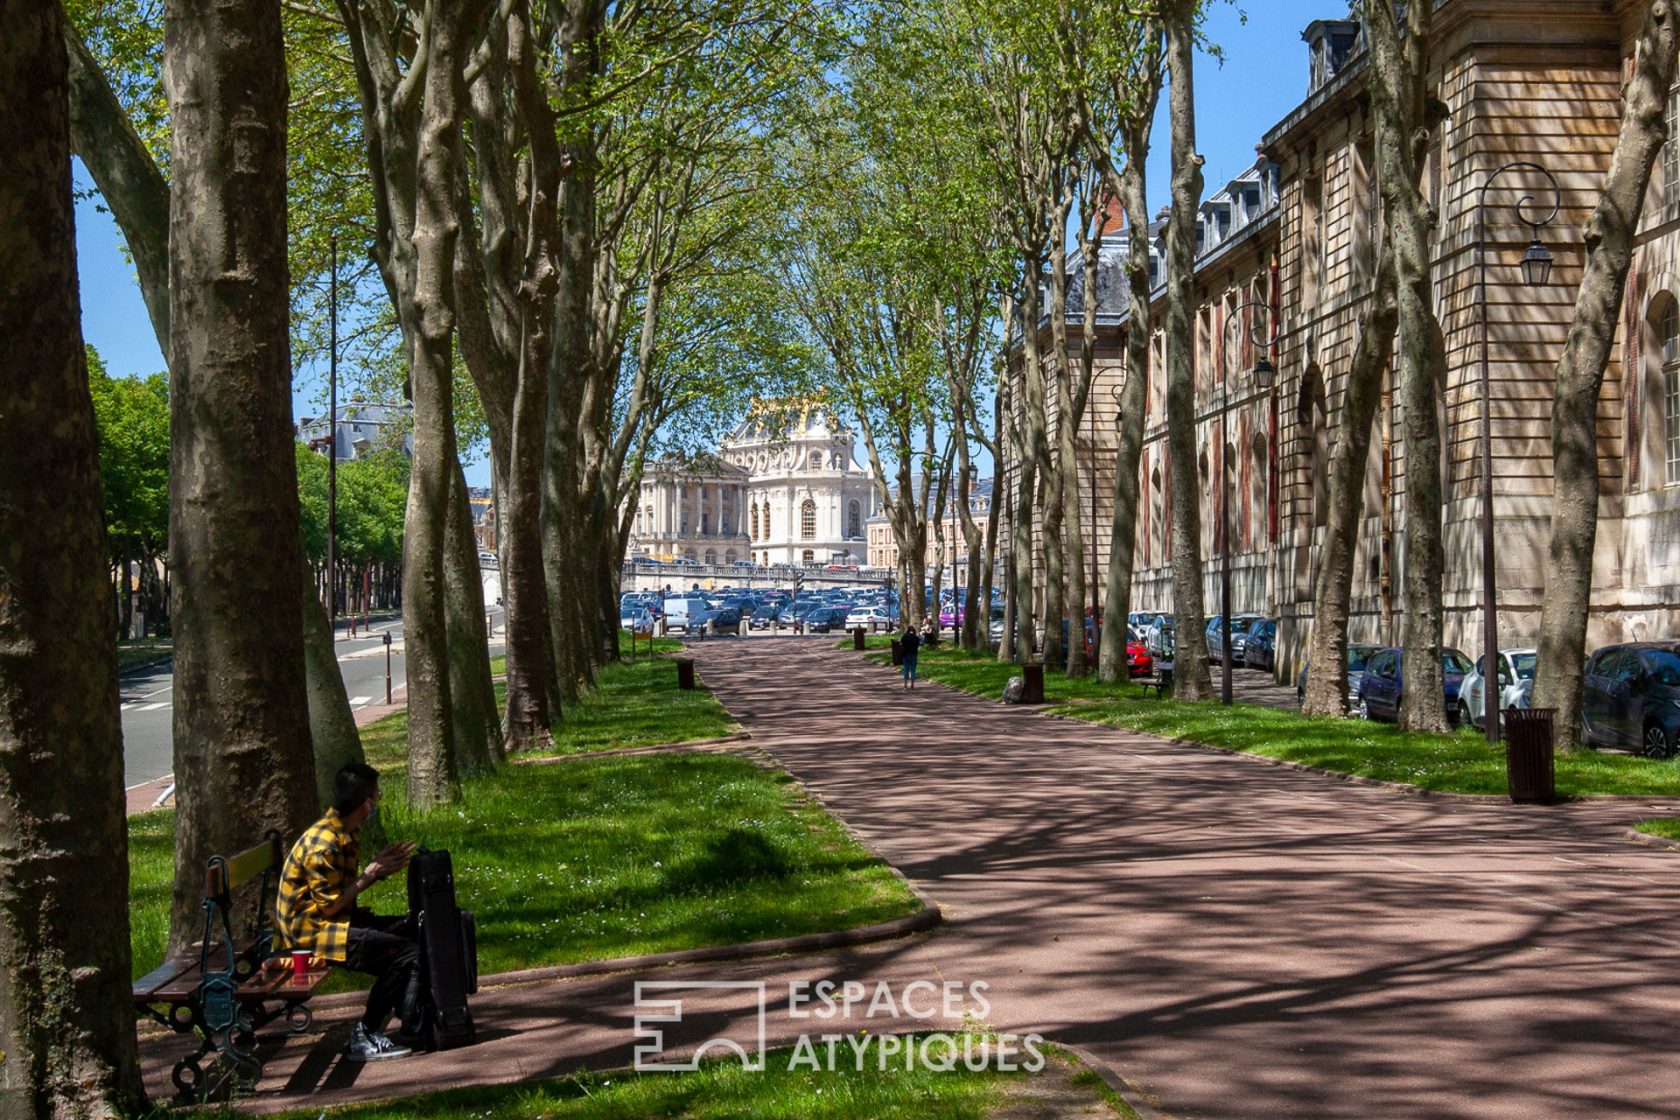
{"x": 685, "y": 673}
{"x": 857, "y": 637}
{"x": 1528, "y": 754}
{"x": 1032, "y": 683}
{"x": 898, "y": 652}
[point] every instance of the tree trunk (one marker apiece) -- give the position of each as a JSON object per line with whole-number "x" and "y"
{"x": 1327, "y": 674}
{"x": 1190, "y": 680}
{"x": 478, "y": 729}
{"x": 243, "y": 762}
{"x": 332, "y": 726}
{"x": 1398, "y": 76}
{"x": 67, "y": 1045}
{"x": 1580, "y": 372}
{"x": 1112, "y": 664}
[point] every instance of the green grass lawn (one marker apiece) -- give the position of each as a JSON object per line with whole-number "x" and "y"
{"x": 1667, "y": 827}
{"x": 722, "y": 1090}
{"x": 133, "y": 652}
{"x": 1460, "y": 763}
{"x": 600, "y": 858}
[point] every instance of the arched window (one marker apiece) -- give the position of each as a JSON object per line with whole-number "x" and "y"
{"x": 854, "y": 519}
{"x": 711, "y": 557}
{"x": 1157, "y": 520}
{"x": 808, "y": 520}
{"x": 808, "y": 557}
{"x": 1310, "y": 412}
{"x": 688, "y": 554}
{"x": 1257, "y": 490}
{"x": 1668, "y": 334}
{"x": 729, "y": 557}
{"x": 766, "y": 522}
{"x": 755, "y": 522}
{"x": 816, "y": 460}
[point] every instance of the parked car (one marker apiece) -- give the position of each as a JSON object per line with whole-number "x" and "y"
{"x": 1358, "y": 653}
{"x": 1381, "y": 686}
{"x": 872, "y": 618}
{"x": 1260, "y": 645}
{"x": 1239, "y": 632}
{"x": 1160, "y": 638}
{"x": 686, "y": 614}
{"x": 1516, "y": 685}
{"x": 637, "y": 620}
{"x": 1630, "y": 698}
{"x": 762, "y": 619}
{"x": 824, "y": 619}
{"x": 1139, "y": 663}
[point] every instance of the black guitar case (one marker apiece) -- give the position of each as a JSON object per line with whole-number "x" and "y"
{"x": 448, "y": 971}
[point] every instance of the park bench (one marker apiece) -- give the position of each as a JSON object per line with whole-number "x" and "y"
{"x": 220, "y": 988}
{"x": 1161, "y": 682}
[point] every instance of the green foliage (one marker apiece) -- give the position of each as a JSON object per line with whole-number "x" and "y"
{"x": 372, "y": 500}
{"x": 132, "y": 414}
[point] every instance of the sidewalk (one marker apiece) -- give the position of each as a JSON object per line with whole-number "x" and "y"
{"x": 1234, "y": 938}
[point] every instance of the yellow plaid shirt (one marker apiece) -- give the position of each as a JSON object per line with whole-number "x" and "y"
{"x": 324, "y": 861}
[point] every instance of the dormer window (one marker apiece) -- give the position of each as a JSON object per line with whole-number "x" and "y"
{"x": 1330, "y": 43}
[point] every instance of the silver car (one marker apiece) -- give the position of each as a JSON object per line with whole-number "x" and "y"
{"x": 1516, "y": 686}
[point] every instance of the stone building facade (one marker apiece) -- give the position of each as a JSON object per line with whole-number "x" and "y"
{"x": 1298, "y": 236}
{"x": 784, "y": 488}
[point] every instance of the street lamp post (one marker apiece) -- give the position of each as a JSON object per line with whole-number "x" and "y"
{"x": 332, "y": 445}
{"x": 1536, "y": 269}
{"x": 1263, "y": 371}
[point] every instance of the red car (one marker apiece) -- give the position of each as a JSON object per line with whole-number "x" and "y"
{"x": 1138, "y": 661}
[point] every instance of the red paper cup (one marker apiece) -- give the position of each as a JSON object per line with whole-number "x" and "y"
{"x": 300, "y": 962}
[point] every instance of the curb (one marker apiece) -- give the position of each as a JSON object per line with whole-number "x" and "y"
{"x": 924, "y": 919}
{"x": 1652, "y": 841}
{"x": 134, "y": 670}
{"x": 1146, "y": 1106}
{"x": 680, "y": 747}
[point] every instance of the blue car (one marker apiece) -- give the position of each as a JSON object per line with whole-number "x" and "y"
{"x": 1381, "y": 687}
{"x": 1630, "y": 698}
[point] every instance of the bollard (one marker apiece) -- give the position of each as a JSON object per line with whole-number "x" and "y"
{"x": 1529, "y": 772}
{"x": 1032, "y": 683}
{"x": 685, "y": 673}
{"x": 857, "y": 638}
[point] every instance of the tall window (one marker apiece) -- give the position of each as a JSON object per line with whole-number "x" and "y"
{"x": 755, "y": 521}
{"x": 1669, "y": 332}
{"x": 1671, "y": 157}
{"x": 808, "y": 557}
{"x": 808, "y": 520}
{"x": 854, "y": 520}
{"x": 1312, "y": 241}
{"x": 711, "y": 557}
{"x": 766, "y": 521}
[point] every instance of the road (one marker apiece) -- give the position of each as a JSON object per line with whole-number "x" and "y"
{"x": 148, "y": 705}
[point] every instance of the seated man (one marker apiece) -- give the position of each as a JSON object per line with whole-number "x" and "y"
{"x": 316, "y": 908}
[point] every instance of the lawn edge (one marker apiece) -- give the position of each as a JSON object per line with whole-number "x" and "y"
{"x": 1652, "y": 840}
{"x": 676, "y": 746}
{"x": 1049, "y": 711}
{"x": 1136, "y": 1097}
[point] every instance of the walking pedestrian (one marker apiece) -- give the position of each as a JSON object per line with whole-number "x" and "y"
{"x": 908, "y": 645}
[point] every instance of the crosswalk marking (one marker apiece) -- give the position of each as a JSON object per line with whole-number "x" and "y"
{"x": 358, "y": 701}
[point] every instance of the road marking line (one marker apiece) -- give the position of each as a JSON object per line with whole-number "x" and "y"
{"x": 357, "y": 701}
{"x": 151, "y": 707}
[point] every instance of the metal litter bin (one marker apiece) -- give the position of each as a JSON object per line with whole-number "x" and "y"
{"x": 898, "y": 652}
{"x": 1032, "y": 683}
{"x": 857, "y": 637}
{"x": 1529, "y": 754}
{"x": 685, "y": 673}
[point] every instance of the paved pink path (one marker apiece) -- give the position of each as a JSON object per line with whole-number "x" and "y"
{"x": 1235, "y": 939}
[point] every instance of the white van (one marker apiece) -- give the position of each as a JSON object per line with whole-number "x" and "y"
{"x": 686, "y": 614}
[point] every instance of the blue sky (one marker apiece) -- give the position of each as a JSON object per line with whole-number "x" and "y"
{"x": 1262, "y": 77}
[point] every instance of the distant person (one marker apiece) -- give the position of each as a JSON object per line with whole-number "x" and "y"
{"x": 908, "y": 646}
{"x": 930, "y": 631}
{"x": 316, "y": 909}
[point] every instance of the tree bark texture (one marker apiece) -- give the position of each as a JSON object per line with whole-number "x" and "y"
{"x": 133, "y": 186}
{"x": 1327, "y": 674}
{"x": 1190, "y": 679}
{"x": 332, "y": 725}
{"x": 243, "y": 762}
{"x": 1580, "y": 372}
{"x": 1112, "y": 665}
{"x": 1398, "y": 76}
{"x": 67, "y": 1044}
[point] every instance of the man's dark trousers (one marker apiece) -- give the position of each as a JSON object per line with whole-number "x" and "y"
{"x": 384, "y": 948}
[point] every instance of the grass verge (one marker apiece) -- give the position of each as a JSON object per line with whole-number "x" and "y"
{"x": 722, "y": 1090}
{"x": 600, "y": 858}
{"x": 1461, "y": 762}
{"x": 1666, "y": 827}
{"x": 134, "y": 652}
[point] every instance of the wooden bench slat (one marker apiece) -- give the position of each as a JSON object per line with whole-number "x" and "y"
{"x": 281, "y": 985}
{"x": 250, "y": 863}
{"x": 161, "y": 976}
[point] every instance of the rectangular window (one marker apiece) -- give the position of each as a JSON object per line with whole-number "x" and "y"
{"x": 1312, "y": 241}
{"x": 1671, "y": 420}
{"x": 1671, "y": 157}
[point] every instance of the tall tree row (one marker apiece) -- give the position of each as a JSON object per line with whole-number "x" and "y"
{"x": 67, "y": 1045}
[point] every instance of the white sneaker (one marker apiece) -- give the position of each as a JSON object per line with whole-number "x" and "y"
{"x": 371, "y": 1046}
